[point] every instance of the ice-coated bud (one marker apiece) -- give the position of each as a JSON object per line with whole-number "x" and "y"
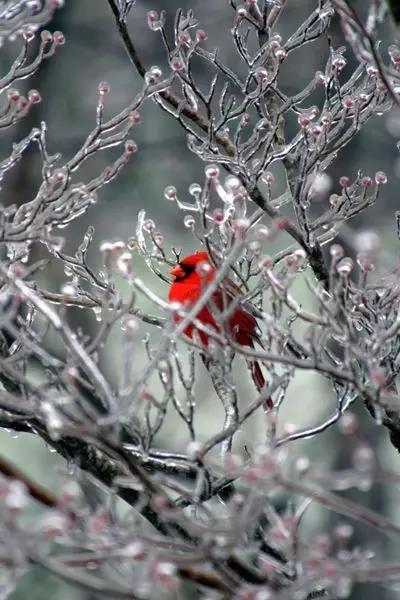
{"x": 194, "y": 189}
{"x": 130, "y": 147}
{"x": 130, "y": 325}
{"x": 170, "y": 193}
{"x": 201, "y": 35}
{"x": 363, "y": 458}
{"x": 372, "y": 71}
{"x": 59, "y": 38}
{"x": 104, "y": 88}
{"x": 343, "y": 533}
{"x": 262, "y": 232}
{"x": 16, "y": 498}
{"x": 135, "y": 117}
{"x": 184, "y": 37}
{"x": 344, "y": 182}
{"x": 13, "y": 94}
{"x": 68, "y": 290}
{"x": 59, "y": 175}
{"x": 211, "y": 171}
{"x": 53, "y": 525}
{"x": 46, "y": 36}
{"x": 189, "y": 221}
{"x": 232, "y": 183}
{"x": 365, "y": 263}
{"x": 69, "y": 492}
{"x": 303, "y": 121}
{"x": 34, "y": 97}
{"x": 347, "y": 102}
{"x": 194, "y": 450}
{"x": 338, "y": 63}
{"x": 302, "y": 465}
{"x": 28, "y": 36}
{"x": 261, "y": 74}
{"x": 280, "y": 54}
{"x": 254, "y": 247}
{"x": 149, "y": 225}
{"x": 348, "y": 424}
{"x": 22, "y": 102}
{"x": 218, "y": 215}
{"x": 268, "y": 177}
{"x": 177, "y": 64}
{"x": 124, "y": 263}
{"x": 240, "y": 224}
{"x": 394, "y": 53}
{"x": 380, "y": 178}
{"x": 366, "y": 181}
{"x": 345, "y": 266}
{"x": 152, "y": 17}
{"x": 319, "y": 78}
{"x": 241, "y": 12}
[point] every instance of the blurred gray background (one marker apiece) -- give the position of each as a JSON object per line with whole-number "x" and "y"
{"x": 68, "y": 84}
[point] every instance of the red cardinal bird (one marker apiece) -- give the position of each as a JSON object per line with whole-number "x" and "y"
{"x": 187, "y": 288}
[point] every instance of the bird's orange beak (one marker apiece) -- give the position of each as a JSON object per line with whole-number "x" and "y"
{"x": 177, "y": 272}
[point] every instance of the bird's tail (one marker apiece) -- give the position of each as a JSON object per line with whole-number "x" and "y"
{"x": 259, "y": 380}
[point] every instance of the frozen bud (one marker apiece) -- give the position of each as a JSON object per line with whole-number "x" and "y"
{"x": 189, "y": 221}
{"x": 265, "y": 263}
{"x": 262, "y": 232}
{"x": 338, "y": 63}
{"x": 70, "y": 492}
{"x": 366, "y": 182}
{"x": 13, "y": 94}
{"x": 165, "y": 573}
{"x": 245, "y": 120}
{"x": 194, "y": 450}
{"x": 59, "y": 38}
{"x": 302, "y": 465}
{"x": 130, "y": 325}
{"x": 343, "y": 533}
{"x": 68, "y": 290}
{"x": 362, "y": 98}
{"x": 334, "y": 200}
{"x": 279, "y": 223}
{"x": 232, "y": 183}
{"x": 170, "y": 193}
{"x": 240, "y": 224}
{"x": 322, "y": 183}
{"x": 106, "y": 247}
{"x": 218, "y": 216}
{"x": 34, "y": 97}
{"x": 130, "y": 147}
{"x": 344, "y": 182}
{"x": 153, "y": 75}
{"x": 347, "y": 102}
{"x": 152, "y": 18}
{"x": 300, "y": 256}
{"x": 28, "y": 36}
{"x": 16, "y": 498}
{"x": 363, "y": 458}
{"x": 380, "y": 178}
{"x": 368, "y": 242}
{"x": 204, "y": 268}
{"x": 348, "y": 424}
{"x": 22, "y": 102}
{"x": 104, "y": 88}
{"x": 177, "y": 64}
{"x": 135, "y": 117}
{"x": 345, "y": 266}
{"x": 261, "y": 74}
{"x": 326, "y": 119}
{"x": 149, "y": 225}
{"x": 268, "y": 178}
{"x": 59, "y": 175}
{"x": 280, "y": 54}
{"x": 319, "y": 78}
{"x": 241, "y": 12}
{"x": 211, "y": 171}
{"x": 316, "y": 130}
{"x": 135, "y": 550}
{"x": 336, "y": 251}
{"x": 254, "y": 247}
{"x": 53, "y": 525}
{"x": 304, "y": 121}
{"x": 195, "y": 189}
{"x": 184, "y": 37}
{"x": 124, "y": 263}
{"x": 46, "y": 36}
{"x": 394, "y": 53}
{"x": 201, "y": 35}
{"x": 365, "y": 263}
{"x": 118, "y": 247}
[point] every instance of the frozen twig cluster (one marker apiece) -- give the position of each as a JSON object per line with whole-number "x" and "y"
{"x": 222, "y": 516}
